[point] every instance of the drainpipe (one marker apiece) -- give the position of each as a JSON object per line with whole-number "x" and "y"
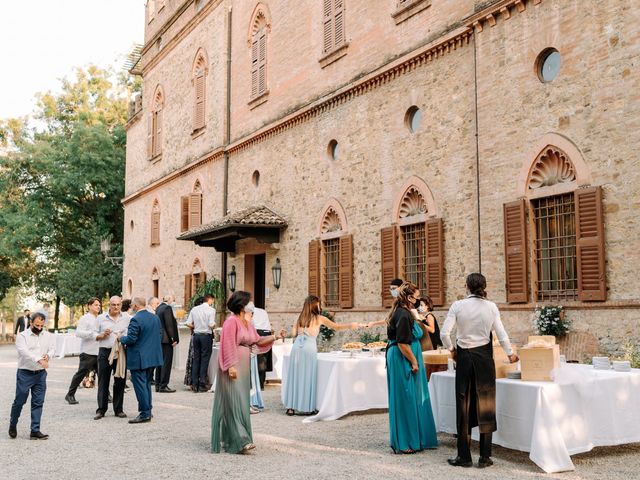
{"x": 227, "y": 141}
{"x": 475, "y": 92}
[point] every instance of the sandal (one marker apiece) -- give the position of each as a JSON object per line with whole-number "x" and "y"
{"x": 290, "y": 412}
{"x": 247, "y": 447}
{"x": 408, "y": 451}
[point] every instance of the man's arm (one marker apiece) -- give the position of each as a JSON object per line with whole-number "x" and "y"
{"x": 447, "y": 328}
{"x": 171, "y": 326}
{"x": 23, "y": 350}
{"x": 133, "y": 331}
{"x": 212, "y": 319}
{"x": 84, "y": 331}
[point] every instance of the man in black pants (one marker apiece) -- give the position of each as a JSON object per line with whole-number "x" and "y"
{"x": 170, "y": 339}
{"x": 201, "y": 320}
{"x": 88, "y": 331}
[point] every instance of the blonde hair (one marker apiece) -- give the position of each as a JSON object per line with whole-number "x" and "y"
{"x": 402, "y": 300}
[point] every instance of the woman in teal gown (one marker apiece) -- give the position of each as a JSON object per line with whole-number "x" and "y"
{"x": 411, "y": 424}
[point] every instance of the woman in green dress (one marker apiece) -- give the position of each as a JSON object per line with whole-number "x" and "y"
{"x": 231, "y": 423}
{"x": 411, "y": 424}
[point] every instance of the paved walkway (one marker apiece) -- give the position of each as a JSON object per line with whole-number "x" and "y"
{"x": 175, "y": 444}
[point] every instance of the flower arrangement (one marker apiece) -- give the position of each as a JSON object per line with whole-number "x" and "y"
{"x": 551, "y": 320}
{"x": 325, "y": 332}
{"x": 632, "y": 353}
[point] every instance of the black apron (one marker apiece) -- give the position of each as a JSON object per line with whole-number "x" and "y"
{"x": 476, "y": 388}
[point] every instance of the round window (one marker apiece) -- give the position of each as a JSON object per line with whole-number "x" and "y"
{"x": 255, "y": 178}
{"x": 413, "y": 119}
{"x": 548, "y": 65}
{"x": 333, "y": 150}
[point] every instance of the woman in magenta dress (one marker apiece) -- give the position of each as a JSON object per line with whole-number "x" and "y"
{"x": 231, "y": 423}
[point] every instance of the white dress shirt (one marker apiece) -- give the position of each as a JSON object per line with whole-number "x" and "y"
{"x": 203, "y": 318}
{"x": 87, "y": 330}
{"x": 120, "y": 324}
{"x": 474, "y": 318}
{"x": 261, "y": 319}
{"x": 32, "y": 347}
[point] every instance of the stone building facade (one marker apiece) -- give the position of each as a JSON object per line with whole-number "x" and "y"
{"x": 354, "y": 141}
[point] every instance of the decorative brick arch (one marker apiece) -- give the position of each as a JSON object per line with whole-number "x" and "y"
{"x": 261, "y": 17}
{"x": 333, "y": 220}
{"x": 197, "y": 186}
{"x": 554, "y": 165}
{"x": 415, "y": 201}
{"x": 200, "y": 63}
{"x": 158, "y": 99}
{"x": 196, "y": 266}
{"x": 155, "y": 275}
{"x": 155, "y": 207}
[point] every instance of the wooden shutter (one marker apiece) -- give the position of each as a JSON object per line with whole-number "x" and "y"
{"x": 388, "y": 261}
{"x": 202, "y": 278}
{"x": 254, "y": 66}
{"x": 338, "y": 37}
{"x": 515, "y": 251}
{"x": 262, "y": 62}
{"x": 195, "y": 210}
{"x": 184, "y": 213}
{"x": 435, "y": 260}
{"x": 155, "y": 228}
{"x": 157, "y": 142}
{"x": 590, "y": 245}
{"x": 187, "y": 290}
{"x": 346, "y": 271}
{"x": 150, "y": 130}
{"x": 328, "y": 26}
{"x": 314, "y": 268}
{"x": 199, "y": 108}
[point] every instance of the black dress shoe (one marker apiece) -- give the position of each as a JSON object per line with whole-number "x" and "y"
{"x": 38, "y": 436}
{"x": 98, "y": 416}
{"x": 459, "y": 462}
{"x": 71, "y": 400}
{"x": 485, "y": 462}
{"x": 121, "y": 415}
{"x": 140, "y": 419}
{"x": 13, "y": 433}
{"x": 165, "y": 390}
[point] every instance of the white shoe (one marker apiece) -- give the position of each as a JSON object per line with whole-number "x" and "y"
{"x": 253, "y": 410}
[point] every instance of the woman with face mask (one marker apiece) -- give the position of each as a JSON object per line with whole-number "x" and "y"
{"x": 300, "y": 388}
{"x": 424, "y": 307}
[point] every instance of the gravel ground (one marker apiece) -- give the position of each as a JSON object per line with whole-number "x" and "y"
{"x": 175, "y": 444}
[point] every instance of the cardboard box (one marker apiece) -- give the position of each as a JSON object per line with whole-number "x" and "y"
{"x": 501, "y": 360}
{"x": 536, "y": 363}
{"x": 547, "y": 338}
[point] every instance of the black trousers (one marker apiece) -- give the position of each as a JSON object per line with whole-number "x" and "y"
{"x": 88, "y": 363}
{"x": 202, "y": 346}
{"x": 265, "y": 363}
{"x": 104, "y": 379}
{"x": 163, "y": 373}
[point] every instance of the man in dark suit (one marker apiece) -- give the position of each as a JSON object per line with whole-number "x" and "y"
{"x": 144, "y": 353}
{"x": 22, "y": 323}
{"x": 170, "y": 339}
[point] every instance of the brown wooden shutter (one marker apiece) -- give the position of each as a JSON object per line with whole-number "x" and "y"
{"x": 590, "y": 245}
{"x": 184, "y": 213}
{"x": 158, "y": 140}
{"x": 515, "y": 251}
{"x": 328, "y": 26}
{"x": 155, "y": 228}
{"x": 435, "y": 260}
{"x": 338, "y": 37}
{"x": 346, "y": 271}
{"x": 195, "y": 210}
{"x": 187, "y": 290}
{"x": 199, "y": 108}
{"x": 388, "y": 261}
{"x": 314, "y": 268}
{"x": 202, "y": 279}
{"x": 254, "y": 66}
{"x": 150, "y": 131}
{"x": 262, "y": 62}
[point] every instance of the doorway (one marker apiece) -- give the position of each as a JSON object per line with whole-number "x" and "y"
{"x": 254, "y": 277}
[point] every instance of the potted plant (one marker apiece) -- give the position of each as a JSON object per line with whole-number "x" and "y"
{"x": 551, "y": 320}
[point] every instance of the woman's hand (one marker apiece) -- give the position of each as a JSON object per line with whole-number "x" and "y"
{"x": 414, "y": 367}
{"x": 233, "y": 373}
{"x": 283, "y": 333}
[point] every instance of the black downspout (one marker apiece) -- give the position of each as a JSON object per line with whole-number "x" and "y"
{"x": 475, "y": 85}
{"x": 227, "y": 141}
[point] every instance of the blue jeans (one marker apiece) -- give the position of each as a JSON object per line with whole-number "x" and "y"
{"x": 36, "y": 382}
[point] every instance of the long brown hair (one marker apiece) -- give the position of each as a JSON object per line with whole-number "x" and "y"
{"x": 310, "y": 309}
{"x": 402, "y": 300}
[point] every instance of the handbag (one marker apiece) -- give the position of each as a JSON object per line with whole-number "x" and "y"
{"x": 425, "y": 340}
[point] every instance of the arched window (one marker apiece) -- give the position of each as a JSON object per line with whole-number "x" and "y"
{"x": 567, "y": 218}
{"x": 193, "y": 280}
{"x": 331, "y": 259}
{"x": 260, "y": 27}
{"x": 154, "y": 137}
{"x": 155, "y": 282}
{"x": 412, "y": 248}
{"x": 130, "y": 287}
{"x": 191, "y": 208}
{"x": 199, "y": 75}
{"x": 155, "y": 223}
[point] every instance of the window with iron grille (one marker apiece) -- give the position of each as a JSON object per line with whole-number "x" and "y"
{"x": 331, "y": 272}
{"x": 414, "y": 261}
{"x": 556, "y": 247}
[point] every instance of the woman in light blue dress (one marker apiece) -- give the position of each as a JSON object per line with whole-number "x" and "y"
{"x": 411, "y": 424}
{"x": 300, "y": 385}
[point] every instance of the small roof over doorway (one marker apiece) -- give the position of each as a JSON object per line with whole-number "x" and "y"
{"x": 257, "y": 222}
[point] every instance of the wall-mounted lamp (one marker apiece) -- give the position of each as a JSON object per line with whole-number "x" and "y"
{"x": 232, "y": 278}
{"x": 276, "y": 272}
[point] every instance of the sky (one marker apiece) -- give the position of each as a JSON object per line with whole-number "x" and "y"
{"x": 41, "y": 41}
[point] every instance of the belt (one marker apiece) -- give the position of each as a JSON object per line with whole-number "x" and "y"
{"x": 199, "y": 333}
{"x": 33, "y": 372}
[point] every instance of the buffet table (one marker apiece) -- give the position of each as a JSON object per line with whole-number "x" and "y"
{"x": 67, "y": 344}
{"x": 550, "y": 420}
{"x": 346, "y": 384}
{"x": 279, "y": 351}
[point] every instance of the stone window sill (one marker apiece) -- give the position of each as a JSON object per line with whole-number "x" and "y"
{"x": 410, "y": 10}
{"x": 333, "y": 55}
{"x": 156, "y": 159}
{"x": 197, "y": 132}
{"x": 259, "y": 100}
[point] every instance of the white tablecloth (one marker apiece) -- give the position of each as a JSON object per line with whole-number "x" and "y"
{"x": 554, "y": 421}
{"x": 280, "y": 350}
{"x": 346, "y": 385}
{"x": 67, "y": 344}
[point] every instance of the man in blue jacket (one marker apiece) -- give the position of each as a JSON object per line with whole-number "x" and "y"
{"x": 144, "y": 354}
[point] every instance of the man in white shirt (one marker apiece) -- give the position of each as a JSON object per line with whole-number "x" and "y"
{"x": 201, "y": 320}
{"x": 35, "y": 347}
{"x": 475, "y": 317}
{"x": 260, "y": 320}
{"x": 88, "y": 331}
